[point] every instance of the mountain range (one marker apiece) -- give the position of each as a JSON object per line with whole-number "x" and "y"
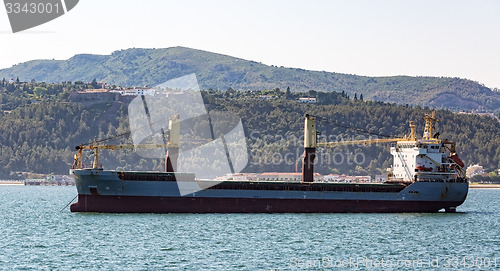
{"x": 139, "y": 67}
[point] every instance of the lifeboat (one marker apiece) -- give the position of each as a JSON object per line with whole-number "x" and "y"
{"x": 457, "y": 160}
{"x": 422, "y": 168}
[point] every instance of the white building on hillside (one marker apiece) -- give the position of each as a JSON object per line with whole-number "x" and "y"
{"x": 307, "y": 100}
{"x": 474, "y": 170}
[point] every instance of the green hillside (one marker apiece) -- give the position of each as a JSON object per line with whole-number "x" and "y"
{"x": 39, "y": 128}
{"x": 138, "y": 67}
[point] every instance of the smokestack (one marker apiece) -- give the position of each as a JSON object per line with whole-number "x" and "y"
{"x": 309, "y": 149}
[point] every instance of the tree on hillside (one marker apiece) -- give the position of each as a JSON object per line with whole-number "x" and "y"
{"x": 40, "y": 91}
{"x": 312, "y": 93}
{"x": 94, "y": 83}
{"x": 10, "y": 87}
{"x": 230, "y": 92}
{"x": 288, "y": 93}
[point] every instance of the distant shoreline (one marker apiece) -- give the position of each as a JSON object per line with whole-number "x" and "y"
{"x": 11, "y": 182}
{"x": 472, "y": 186}
{"x": 480, "y": 185}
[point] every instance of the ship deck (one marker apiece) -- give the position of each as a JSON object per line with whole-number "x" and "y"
{"x": 264, "y": 185}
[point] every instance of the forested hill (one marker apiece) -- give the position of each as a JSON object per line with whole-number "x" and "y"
{"x": 39, "y": 128}
{"x": 138, "y": 67}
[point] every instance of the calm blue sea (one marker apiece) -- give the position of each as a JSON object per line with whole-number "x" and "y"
{"x": 36, "y": 234}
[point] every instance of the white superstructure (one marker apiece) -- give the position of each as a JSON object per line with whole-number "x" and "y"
{"x": 429, "y": 159}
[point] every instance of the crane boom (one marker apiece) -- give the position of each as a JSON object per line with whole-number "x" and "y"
{"x": 123, "y": 146}
{"x": 310, "y": 145}
{"x": 172, "y": 145}
{"x": 360, "y": 142}
{"x": 78, "y": 156}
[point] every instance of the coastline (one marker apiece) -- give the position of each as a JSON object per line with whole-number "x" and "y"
{"x": 11, "y": 182}
{"x": 485, "y": 185}
{"x": 471, "y": 185}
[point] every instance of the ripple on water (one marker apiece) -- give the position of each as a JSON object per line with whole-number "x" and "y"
{"x": 37, "y": 235}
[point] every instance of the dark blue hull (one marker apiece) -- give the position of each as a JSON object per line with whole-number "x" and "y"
{"x": 145, "y": 204}
{"x": 118, "y": 192}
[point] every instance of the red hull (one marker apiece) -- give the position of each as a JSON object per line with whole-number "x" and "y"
{"x": 135, "y": 204}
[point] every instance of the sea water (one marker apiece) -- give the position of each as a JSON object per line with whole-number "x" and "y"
{"x": 37, "y": 235}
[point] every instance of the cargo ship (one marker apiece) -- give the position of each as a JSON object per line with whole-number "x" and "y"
{"x": 427, "y": 176}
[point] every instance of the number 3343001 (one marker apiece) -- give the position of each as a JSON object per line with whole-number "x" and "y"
{"x": 33, "y": 8}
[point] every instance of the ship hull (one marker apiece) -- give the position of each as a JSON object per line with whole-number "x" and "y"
{"x": 147, "y": 204}
{"x": 115, "y": 192}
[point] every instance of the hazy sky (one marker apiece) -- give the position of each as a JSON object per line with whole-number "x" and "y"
{"x": 435, "y": 38}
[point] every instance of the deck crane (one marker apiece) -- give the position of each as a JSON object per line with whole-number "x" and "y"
{"x": 172, "y": 147}
{"x": 310, "y": 145}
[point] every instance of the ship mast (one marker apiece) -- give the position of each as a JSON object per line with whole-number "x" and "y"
{"x": 170, "y": 159}
{"x": 429, "y": 125}
{"x": 96, "y": 154}
{"x": 172, "y": 153}
{"x": 412, "y": 131}
{"x": 310, "y": 145}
